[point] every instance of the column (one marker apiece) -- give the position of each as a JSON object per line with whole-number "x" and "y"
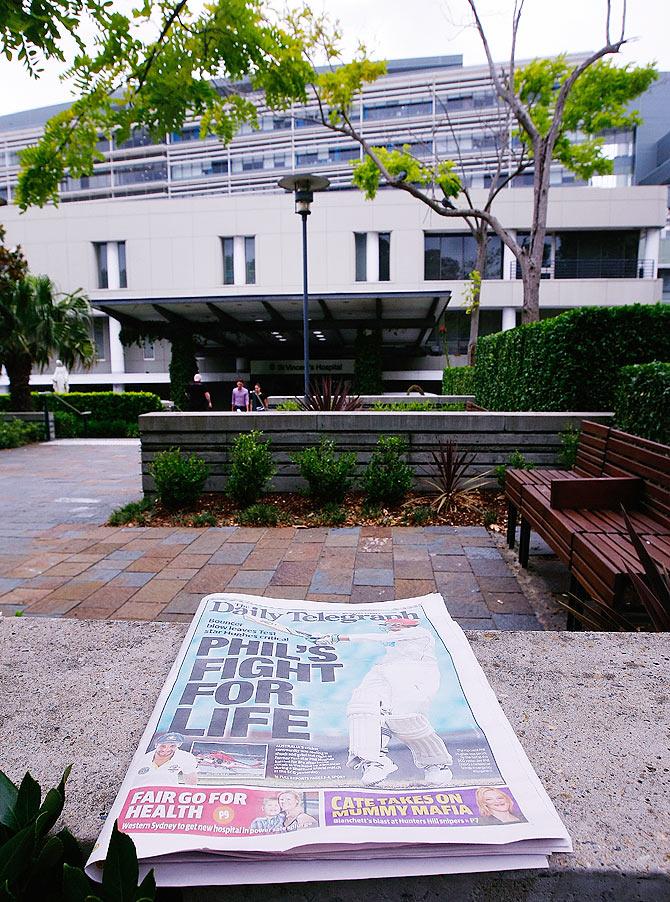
{"x": 372, "y": 256}
{"x": 239, "y": 261}
{"x": 652, "y": 249}
{"x": 116, "y": 354}
{"x": 509, "y": 270}
{"x": 113, "y": 275}
{"x": 508, "y": 318}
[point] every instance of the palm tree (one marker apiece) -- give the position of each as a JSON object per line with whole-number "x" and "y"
{"x": 36, "y": 323}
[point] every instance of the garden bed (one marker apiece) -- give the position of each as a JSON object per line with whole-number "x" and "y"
{"x": 478, "y": 508}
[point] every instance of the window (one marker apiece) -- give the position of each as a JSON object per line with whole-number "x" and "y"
{"x": 361, "y": 242}
{"x": 228, "y": 262}
{"x": 101, "y": 263}
{"x": 384, "y": 256}
{"x": 123, "y": 275}
{"x": 454, "y": 256}
{"x": 99, "y": 337}
{"x": 148, "y": 351}
{"x": 250, "y": 261}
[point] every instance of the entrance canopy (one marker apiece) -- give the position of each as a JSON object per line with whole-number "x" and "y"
{"x": 271, "y": 324}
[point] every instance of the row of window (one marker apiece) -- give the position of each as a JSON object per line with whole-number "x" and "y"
{"x": 447, "y": 256}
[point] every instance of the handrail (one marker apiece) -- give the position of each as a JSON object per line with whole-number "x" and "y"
{"x": 45, "y": 406}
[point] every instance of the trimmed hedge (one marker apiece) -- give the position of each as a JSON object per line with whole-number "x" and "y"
{"x": 642, "y": 401}
{"x": 113, "y": 415}
{"x": 569, "y": 362}
{"x": 458, "y": 380}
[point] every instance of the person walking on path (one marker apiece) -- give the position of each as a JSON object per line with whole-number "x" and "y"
{"x": 257, "y": 400}
{"x": 240, "y": 399}
{"x": 198, "y": 396}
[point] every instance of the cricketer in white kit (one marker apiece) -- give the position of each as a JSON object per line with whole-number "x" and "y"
{"x": 394, "y": 699}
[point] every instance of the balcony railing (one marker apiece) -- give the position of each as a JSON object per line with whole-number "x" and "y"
{"x": 593, "y": 269}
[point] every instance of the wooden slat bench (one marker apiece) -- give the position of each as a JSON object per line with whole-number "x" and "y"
{"x": 578, "y": 512}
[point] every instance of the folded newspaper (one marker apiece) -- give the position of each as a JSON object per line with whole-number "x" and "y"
{"x": 298, "y": 741}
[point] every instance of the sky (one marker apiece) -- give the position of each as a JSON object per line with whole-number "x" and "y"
{"x": 396, "y": 29}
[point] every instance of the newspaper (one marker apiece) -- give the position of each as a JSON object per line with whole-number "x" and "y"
{"x": 310, "y": 741}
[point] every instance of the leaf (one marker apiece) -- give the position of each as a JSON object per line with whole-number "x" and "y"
{"x": 45, "y": 870}
{"x": 147, "y": 889}
{"x": 27, "y": 801}
{"x": 120, "y": 872}
{"x": 52, "y": 806}
{"x": 76, "y": 885}
{"x": 8, "y": 794}
{"x": 15, "y": 855}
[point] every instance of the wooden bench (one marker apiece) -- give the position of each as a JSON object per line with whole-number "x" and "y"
{"x": 579, "y": 512}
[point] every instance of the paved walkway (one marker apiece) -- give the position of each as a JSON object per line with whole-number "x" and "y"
{"x": 57, "y": 559}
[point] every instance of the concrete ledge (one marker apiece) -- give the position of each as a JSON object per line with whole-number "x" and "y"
{"x": 590, "y": 709}
{"x": 492, "y": 436}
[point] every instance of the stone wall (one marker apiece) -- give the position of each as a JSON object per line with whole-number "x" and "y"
{"x": 36, "y": 418}
{"x": 492, "y": 437}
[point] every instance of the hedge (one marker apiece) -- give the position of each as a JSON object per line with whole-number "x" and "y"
{"x": 642, "y": 401}
{"x": 458, "y": 380}
{"x": 113, "y": 415}
{"x": 569, "y": 362}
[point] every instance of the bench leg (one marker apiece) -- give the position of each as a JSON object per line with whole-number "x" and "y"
{"x": 511, "y": 524}
{"x": 577, "y": 594}
{"x": 524, "y": 543}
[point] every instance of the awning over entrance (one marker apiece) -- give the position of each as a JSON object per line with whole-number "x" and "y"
{"x": 269, "y": 324}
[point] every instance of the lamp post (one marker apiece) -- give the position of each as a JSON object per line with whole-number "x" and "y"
{"x": 303, "y": 187}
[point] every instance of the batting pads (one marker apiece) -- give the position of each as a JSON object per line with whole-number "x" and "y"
{"x": 416, "y": 731}
{"x": 365, "y": 731}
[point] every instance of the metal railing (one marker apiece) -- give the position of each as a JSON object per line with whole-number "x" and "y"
{"x": 593, "y": 269}
{"x": 45, "y": 395}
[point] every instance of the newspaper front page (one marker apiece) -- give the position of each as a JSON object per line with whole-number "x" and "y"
{"x": 311, "y": 741}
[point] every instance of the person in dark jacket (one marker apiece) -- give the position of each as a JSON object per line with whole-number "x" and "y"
{"x": 198, "y": 396}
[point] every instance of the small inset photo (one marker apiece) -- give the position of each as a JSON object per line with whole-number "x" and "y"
{"x": 222, "y": 761}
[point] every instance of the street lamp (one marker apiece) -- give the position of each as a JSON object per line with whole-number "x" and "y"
{"x": 303, "y": 186}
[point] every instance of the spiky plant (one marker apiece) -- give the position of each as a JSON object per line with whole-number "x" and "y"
{"x": 327, "y": 395}
{"x": 451, "y": 483}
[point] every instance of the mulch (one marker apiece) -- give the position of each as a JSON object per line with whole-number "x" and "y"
{"x": 476, "y": 508}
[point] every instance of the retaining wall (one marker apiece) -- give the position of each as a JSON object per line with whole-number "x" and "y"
{"x": 492, "y": 437}
{"x": 36, "y": 418}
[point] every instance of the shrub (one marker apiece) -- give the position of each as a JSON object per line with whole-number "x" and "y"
{"x": 642, "y": 401}
{"x": 417, "y": 406}
{"x": 251, "y": 468}
{"x": 458, "y": 380}
{"x": 327, "y": 474}
{"x": 259, "y": 515}
{"x": 329, "y": 395}
{"x": 420, "y": 515}
{"x": 450, "y": 482}
{"x": 14, "y": 433}
{"x": 567, "y": 456}
{"x": 133, "y": 512}
{"x": 387, "y": 477}
{"x": 206, "y": 518}
{"x": 516, "y": 461}
{"x": 179, "y": 478}
{"x": 289, "y": 404}
{"x": 567, "y": 362}
{"x": 68, "y": 425}
{"x": 489, "y": 517}
{"x": 332, "y": 514}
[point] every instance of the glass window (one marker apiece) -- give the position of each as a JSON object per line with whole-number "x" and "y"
{"x": 454, "y": 256}
{"x": 250, "y": 261}
{"x": 384, "y": 256}
{"x": 99, "y": 337}
{"x": 101, "y": 264}
{"x": 597, "y": 254}
{"x": 361, "y": 244}
{"x": 148, "y": 350}
{"x": 123, "y": 273}
{"x": 228, "y": 261}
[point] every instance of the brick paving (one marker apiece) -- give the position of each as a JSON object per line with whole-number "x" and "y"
{"x": 56, "y": 559}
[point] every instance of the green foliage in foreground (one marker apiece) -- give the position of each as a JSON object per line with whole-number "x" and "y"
{"x": 327, "y": 474}
{"x": 179, "y": 478}
{"x": 642, "y": 401}
{"x": 516, "y": 461}
{"x": 387, "y": 478}
{"x": 133, "y": 512}
{"x": 14, "y": 433}
{"x": 567, "y": 455}
{"x": 569, "y": 362}
{"x": 417, "y": 406}
{"x": 259, "y": 515}
{"x": 458, "y": 380}
{"x": 251, "y": 468}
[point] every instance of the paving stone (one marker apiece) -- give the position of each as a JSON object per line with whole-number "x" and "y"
{"x": 507, "y": 603}
{"x": 371, "y": 594}
{"x": 516, "y": 622}
{"x": 192, "y": 561}
{"x": 318, "y": 534}
{"x": 336, "y": 599}
{"x": 85, "y": 612}
{"x": 146, "y": 564}
{"x": 482, "y": 552}
{"x": 263, "y": 560}
{"x": 409, "y": 588}
{"x": 71, "y": 591}
{"x": 297, "y": 592}
{"x": 408, "y": 535}
{"x": 498, "y": 583}
{"x": 450, "y": 563}
{"x": 371, "y": 576}
{"x": 10, "y": 610}
{"x": 103, "y": 574}
{"x": 45, "y": 582}
{"x": 347, "y": 536}
{"x": 281, "y": 535}
{"x": 246, "y": 534}
{"x": 124, "y": 554}
{"x": 110, "y": 597}
{"x": 6, "y": 585}
{"x": 158, "y": 591}
{"x": 183, "y": 603}
{"x": 167, "y": 552}
{"x": 376, "y": 531}
{"x": 410, "y": 553}
{"x": 50, "y": 606}
{"x": 458, "y": 607}
{"x": 251, "y": 579}
{"x": 131, "y": 579}
{"x": 337, "y": 559}
{"x": 306, "y": 551}
{"x": 68, "y": 569}
{"x": 294, "y": 573}
{"x": 326, "y": 582}
{"x": 164, "y": 617}
{"x": 133, "y": 610}
{"x": 85, "y": 557}
{"x": 232, "y": 553}
{"x": 470, "y": 531}
{"x": 23, "y": 596}
{"x": 413, "y": 570}
{"x": 383, "y": 543}
{"x": 182, "y": 537}
{"x": 176, "y": 573}
{"x": 489, "y": 568}
{"x": 212, "y": 578}
{"x": 377, "y": 560}
{"x": 474, "y": 623}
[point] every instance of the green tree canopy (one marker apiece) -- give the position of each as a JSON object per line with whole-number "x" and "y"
{"x": 37, "y": 323}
